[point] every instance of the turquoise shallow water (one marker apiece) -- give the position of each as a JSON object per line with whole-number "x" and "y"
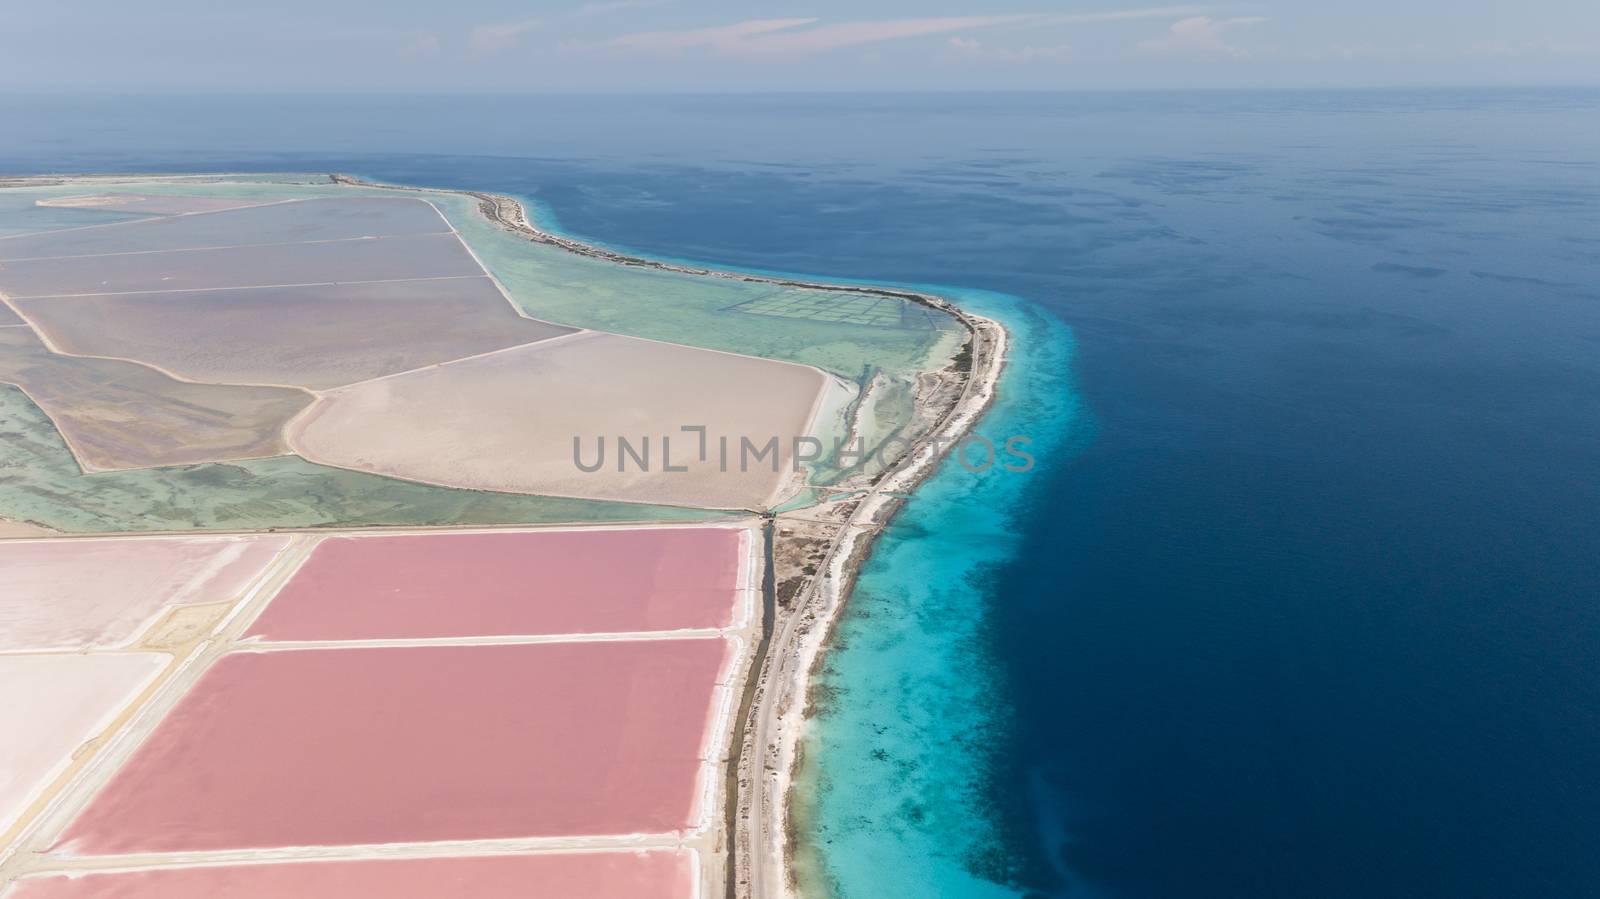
{"x": 910, "y": 707}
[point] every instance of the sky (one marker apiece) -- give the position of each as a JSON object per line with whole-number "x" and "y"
{"x": 754, "y": 45}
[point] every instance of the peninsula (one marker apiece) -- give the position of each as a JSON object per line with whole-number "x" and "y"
{"x": 214, "y": 497}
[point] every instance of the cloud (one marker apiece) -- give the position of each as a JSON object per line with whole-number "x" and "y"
{"x": 721, "y": 39}
{"x": 1200, "y": 36}
{"x": 491, "y": 39}
{"x": 823, "y": 38}
{"x": 973, "y": 49}
{"x": 1123, "y": 15}
{"x": 423, "y": 44}
{"x": 601, "y": 7}
{"x": 808, "y": 36}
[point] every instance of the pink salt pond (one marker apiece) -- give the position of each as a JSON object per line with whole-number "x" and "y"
{"x": 532, "y": 583}
{"x": 596, "y": 875}
{"x": 334, "y": 747}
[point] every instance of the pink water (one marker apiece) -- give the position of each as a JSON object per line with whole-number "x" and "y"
{"x": 553, "y": 582}
{"x": 359, "y": 746}
{"x": 608, "y": 875}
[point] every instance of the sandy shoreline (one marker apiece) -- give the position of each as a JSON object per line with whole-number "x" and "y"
{"x": 771, "y": 734}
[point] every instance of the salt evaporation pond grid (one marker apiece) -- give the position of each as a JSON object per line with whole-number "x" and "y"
{"x": 338, "y": 747}
{"x": 80, "y": 593}
{"x": 662, "y": 874}
{"x": 525, "y": 583}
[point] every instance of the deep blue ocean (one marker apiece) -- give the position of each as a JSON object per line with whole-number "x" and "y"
{"x": 1303, "y": 598}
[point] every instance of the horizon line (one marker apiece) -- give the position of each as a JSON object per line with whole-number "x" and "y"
{"x": 152, "y": 91}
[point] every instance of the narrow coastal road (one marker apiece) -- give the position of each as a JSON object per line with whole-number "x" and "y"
{"x": 768, "y": 875}
{"x": 797, "y": 641}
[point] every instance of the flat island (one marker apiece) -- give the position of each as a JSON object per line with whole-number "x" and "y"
{"x": 369, "y": 540}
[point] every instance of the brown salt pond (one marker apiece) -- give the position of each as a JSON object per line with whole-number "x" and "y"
{"x": 260, "y": 335}
{"x": 299, "y": 221}
{"x": 533, "y": 583}
{"x": 337, "y": 747}
{"x": 530, "y": 405}
{"x": 661, "y": 874}
{"x": 149, "y": 205}
{"x": 387, "y": 259}
{"x": 83, "y": 593}
{"x": 119, "y": 415}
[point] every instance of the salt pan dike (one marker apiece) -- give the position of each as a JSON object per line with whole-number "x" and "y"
{"x": 387, "y": 714}
{"x": 659, "y": 874}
